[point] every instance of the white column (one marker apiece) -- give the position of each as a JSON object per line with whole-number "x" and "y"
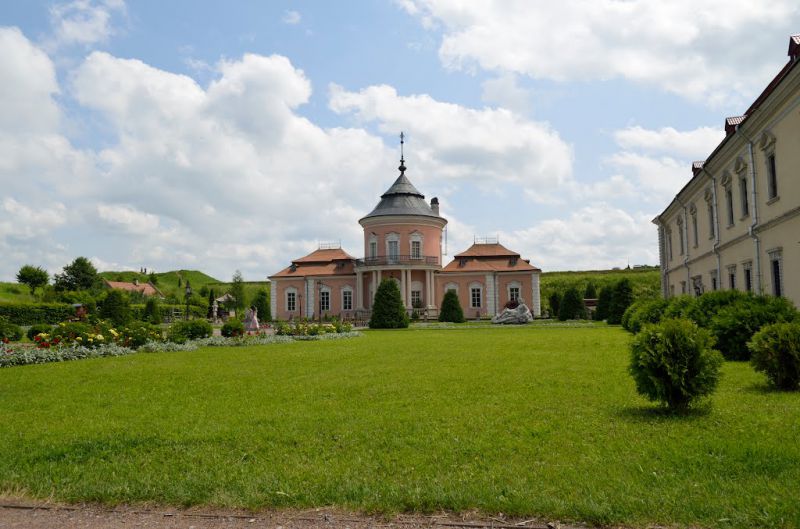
{"x": 408, "y": 289}
{"x": 403, "y": 289}
{"x": 374, "y": 287}
{"x": 273, "y": 299}
{"x": 535, "y": 296}
{"x": 490, "y": 299}
{"x": 310, "y": 299}
{"x": 359, "y": 290}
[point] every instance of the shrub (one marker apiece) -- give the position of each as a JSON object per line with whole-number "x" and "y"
{"x": 152, "y": 311}
{"x": 116, "y": 308}
{"x": 554, "y": 300}
{"x": 776, "y": 353}
{"x": 232, "y": 327}
{"x": 138, "y": 333}
{"x": 80, "y": 274}
{"x": 39, "y": 328}
{"x": 261, "y": 303}
{"x": 591, "y": 291}
{"x": 33, "y": 313}
{"x": 672, "y": 362}
{"x": 678, "y": 306}
{"x": 643, "y": 312}
{"x": 388, "y": 311}
{"x": 703, "y": 308}
{"x": 733, "y": 326}
{"x": 9, "y": 332}
{"x": 603, "y": 304}
{"x": 621, "y": 299}
{"x": 571, "y": 307}
{"x": 182, "y": 331}
{"x": 451, "y": 308}
{"x": 33, "y": 276}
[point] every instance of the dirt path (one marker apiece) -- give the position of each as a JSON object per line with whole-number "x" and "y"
{"x": 29, "y": 515}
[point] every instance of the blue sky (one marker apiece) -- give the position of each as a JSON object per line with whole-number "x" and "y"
{"x": 189, "y": 134}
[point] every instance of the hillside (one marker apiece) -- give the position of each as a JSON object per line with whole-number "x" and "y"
{"x": 646, "y": 281}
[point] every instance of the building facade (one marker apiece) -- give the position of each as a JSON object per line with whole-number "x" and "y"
{"x": 403, "y": 241}
{"x": 736, "y": 223}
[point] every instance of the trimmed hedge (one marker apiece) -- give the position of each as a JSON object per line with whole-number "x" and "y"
{"x": 776, "y": 353}
{"x": 735, "y": 324}
{"x": 33, "y": 313}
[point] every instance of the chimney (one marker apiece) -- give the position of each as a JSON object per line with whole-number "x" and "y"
{"x": 435, "y": 205}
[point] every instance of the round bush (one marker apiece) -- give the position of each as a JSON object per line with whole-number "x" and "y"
{"x": 626, "y": 317}
{"x": 9, "y": 332}
{"x": 39, "y": 328}
{"x": 182, "y": 331}
{"x": 232, "y": 327}
{"x": 643, "y": 312}
{"x": 703, "y": 308}
{"x": 451, "y": 308}
{"x": 776, "y": 353}
{"x": 672, "y": 362}
{"x": 678, "y": 306}
{"x": 734, "y": 325}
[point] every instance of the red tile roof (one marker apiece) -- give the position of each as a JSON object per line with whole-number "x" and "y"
{"x": 317, "y": 269}
{"x": 324, "y": 256}
{"x": 487, "y": 250}
{"x": 491, "y": 264}
{"x": 145, "y": 288}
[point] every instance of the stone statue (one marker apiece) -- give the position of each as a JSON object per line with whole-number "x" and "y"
{"x": 214, "y": 310}
{"x": 251, "y": 319}
{"x": 521, "y": 314}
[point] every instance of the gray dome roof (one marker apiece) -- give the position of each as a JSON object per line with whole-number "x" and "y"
{"x": 402, "y": 199}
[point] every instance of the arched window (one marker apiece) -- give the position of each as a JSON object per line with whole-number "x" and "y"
{"x": 373, "y": 246}
{"x": 514, "y": 290}
{"x": 392, "y": 247}
{"x": 415, "y": 245}
{"x": 451, "y": 286}
{"x": 475, "y": 295}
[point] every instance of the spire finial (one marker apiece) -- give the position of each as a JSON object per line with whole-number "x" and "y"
{"x": 402, "y": 161}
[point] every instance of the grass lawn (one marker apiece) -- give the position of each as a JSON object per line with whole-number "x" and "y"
{"x": 525, "y": 421}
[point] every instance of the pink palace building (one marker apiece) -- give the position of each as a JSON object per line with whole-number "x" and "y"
{"x": 403, "y": 241}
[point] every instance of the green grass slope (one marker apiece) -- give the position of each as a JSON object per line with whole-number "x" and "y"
{"x": 533, "y": 421}
{"x": 646, "y": 281}
{"x": 15, "y": 293}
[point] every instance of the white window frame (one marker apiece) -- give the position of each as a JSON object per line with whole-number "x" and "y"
{"x": 472, "y": 288}
{"x": 415, "y": 238}
{"x": 324, "y": 301}
{"x": 345, "y": 291}
{"x": 293, "y": 299}
{"x": 451, "y": 286}
{"x": 393, "y": 240}
{"x": 732, "y": 277}
{"x": 514, "y": 285}
{"x": 776, "y": 271}
{"x": 373, "y": 247}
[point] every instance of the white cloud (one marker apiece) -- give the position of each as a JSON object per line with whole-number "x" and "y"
{"x": 460, "y": 143}
{"x": 594, "y": 237}
{"x": 84, "y": 22}
{"x": 291, "y": 18}
{"x": 506, "y": 92}
{"x": 714, "y": 51}
{"x": 694, "y": 144}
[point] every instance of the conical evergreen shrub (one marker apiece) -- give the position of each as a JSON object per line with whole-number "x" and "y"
{"x": 388, "y": 311}
{"x": 451, "y": 308}
{"x": 572, "y": 307}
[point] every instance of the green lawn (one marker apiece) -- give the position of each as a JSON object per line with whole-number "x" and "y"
{"x": 525, "y": 421}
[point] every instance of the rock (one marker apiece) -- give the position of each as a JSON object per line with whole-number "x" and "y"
{"x": 521, "y": 314}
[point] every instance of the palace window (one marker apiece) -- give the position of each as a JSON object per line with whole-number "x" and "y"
{"x": 694, "y": 226}
{"x": 416, "y": 298}
{"x": 416, "y": 249}
{"x": 729, "y": 204}
{"x": 680, "y": 236}
{"x": 772, "y": 177}
{"x": 714, "y": 279}
{"x": 373, "y": 249}
{"x": 732, "y": 277}
{"x": 513, "y": 293}
{"x": 475, "y": 297}
{"x": 776, "y": 267}
{"x": 393, "y": 249}
{"x": 347, "y": 299}
{"x": 711, "y": 227}
{"x": 325, "y": 300}
{"x": 291, "y": 300}
{"x": 683, "y": 287}
{"x": 747, "y": 268}
{"x": 743, "y": 198}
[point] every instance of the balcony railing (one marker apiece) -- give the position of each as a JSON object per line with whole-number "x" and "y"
{"x": 387, "y": 260}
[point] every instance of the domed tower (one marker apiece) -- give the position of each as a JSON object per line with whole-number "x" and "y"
{"x": 403, "y": 241}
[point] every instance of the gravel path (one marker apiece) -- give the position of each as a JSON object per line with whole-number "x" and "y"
{"x": 29, "y": 515}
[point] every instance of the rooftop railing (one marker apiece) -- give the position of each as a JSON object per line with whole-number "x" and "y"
{"x": 387, "y": 260}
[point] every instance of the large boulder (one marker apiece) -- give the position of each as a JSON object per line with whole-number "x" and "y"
{"x": 521, "y": 314}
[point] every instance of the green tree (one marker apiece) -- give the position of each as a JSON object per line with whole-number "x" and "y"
{"x": 80, "y": 274}
{"x": 237, "y": 291}
{"x": 116, "y": 308}
{"x": 388, "y": 311}
{"x": 621, "y": 299}
{"x": 261, "y": 303}
{"x": 153, "y": 278}
{"x": 33, "y": 276}
{"x": 571, "y": 307}
{"x": 555, "y": 304}
{"x": 603, "y": 303}
{"x": 591, "y": 291}
{"x": 152, "y": 311}
{"x": 451, "y": 308}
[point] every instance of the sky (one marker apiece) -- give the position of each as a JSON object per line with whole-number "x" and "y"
{"x": 239, "y": 135}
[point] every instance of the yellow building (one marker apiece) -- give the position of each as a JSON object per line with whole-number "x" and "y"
{"x": 736, "y": 223}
